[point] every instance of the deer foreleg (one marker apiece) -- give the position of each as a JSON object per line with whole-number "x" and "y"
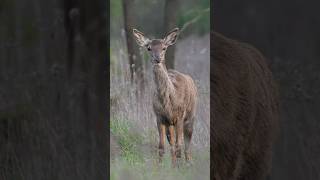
{"x": 162, "y": 131}
{"x": 172, "y": 144}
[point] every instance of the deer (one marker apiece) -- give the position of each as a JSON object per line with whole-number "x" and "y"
{"x": 174, "y": 99}
{"x": 245, "y": 111}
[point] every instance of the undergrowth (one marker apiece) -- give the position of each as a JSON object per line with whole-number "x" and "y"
{"x": 134, "y": 164}
{"x": 128, "y": 140}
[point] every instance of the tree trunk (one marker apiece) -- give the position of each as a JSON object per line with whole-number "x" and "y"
{"x": 170, "y": 22}
{"x": 53, "y": 89}
{"x": 135, "y": 59}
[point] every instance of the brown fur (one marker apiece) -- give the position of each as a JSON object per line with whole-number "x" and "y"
{"x": 174, "y": 105}
{"x": 244, "y": 111}
{"x": 174, "y": 98}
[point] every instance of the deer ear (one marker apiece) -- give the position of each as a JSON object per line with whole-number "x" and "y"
{"x": 171, "y": 37}
{"x": 140, "y": 38}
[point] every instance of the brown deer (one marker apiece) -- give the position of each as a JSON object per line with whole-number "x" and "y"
{"x": 174, "y": 98}
{"x": 244, "y": 111}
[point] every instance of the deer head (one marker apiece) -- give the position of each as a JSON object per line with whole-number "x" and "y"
{"x": 156, "y": 47}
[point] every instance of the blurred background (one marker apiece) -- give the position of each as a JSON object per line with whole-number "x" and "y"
{"x": 287, "y": 33}
{"x": 134, "y": 135}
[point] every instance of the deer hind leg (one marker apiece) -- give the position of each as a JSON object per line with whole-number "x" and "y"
{"x": 162, "y": 130}
{"x": 188, "y": 129}
{"x": 172, "y": 145}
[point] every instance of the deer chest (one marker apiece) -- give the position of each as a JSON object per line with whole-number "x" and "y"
{"x": 167, "y": 110}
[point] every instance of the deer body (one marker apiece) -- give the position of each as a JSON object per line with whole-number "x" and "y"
{"x": 175, "y": 94}
{"x": 174, "y": 98}
{"x": 245, "y": 111}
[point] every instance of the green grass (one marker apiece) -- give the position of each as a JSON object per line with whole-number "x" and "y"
{"x": 134, "y": 164}
{"x": 128, "y": 141}
{"x": 121, "y": 169}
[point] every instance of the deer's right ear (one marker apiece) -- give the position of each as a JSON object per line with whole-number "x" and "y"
{"x": 140, "y": 38}
{"x": 171, "y": 37}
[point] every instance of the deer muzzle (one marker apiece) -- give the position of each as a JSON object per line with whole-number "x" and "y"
{"x": 156, "y": 58}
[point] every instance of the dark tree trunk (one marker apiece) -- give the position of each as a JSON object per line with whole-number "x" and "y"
{"x": 135, "y": 59}
{"x": 53, "y": 89}
{"x": 170, "y": 22}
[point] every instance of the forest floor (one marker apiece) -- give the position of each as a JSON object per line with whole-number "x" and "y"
{"x": 136, "y": 158}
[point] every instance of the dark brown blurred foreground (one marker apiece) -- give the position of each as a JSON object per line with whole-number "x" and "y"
{"x": 53, "y": 91}
{"x": 244, "y": 112}
{"x": 287, "y": 32}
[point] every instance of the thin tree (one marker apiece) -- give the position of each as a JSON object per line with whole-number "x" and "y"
{"x": 135, "y": 59}
{"x": 170, "y": 22}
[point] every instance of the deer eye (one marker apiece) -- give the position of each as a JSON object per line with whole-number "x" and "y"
{"x": 164, "y": 48}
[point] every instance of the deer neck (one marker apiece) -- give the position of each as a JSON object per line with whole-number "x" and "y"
{"x": 164, "y": 86}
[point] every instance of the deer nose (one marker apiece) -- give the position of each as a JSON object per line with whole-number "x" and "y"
{"x": 156, "y": 58}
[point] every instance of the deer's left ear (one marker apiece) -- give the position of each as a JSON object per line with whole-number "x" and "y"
{"x": 171, "y": 37}
{"x": 140, "y": 38}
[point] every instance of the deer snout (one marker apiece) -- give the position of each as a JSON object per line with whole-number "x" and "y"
{"x": 156, "y": 57}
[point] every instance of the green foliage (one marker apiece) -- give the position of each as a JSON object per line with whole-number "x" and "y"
{"x": 128, "y": 140}
{"x": 199, "y": 11}
{"x": 116, "y": 9}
